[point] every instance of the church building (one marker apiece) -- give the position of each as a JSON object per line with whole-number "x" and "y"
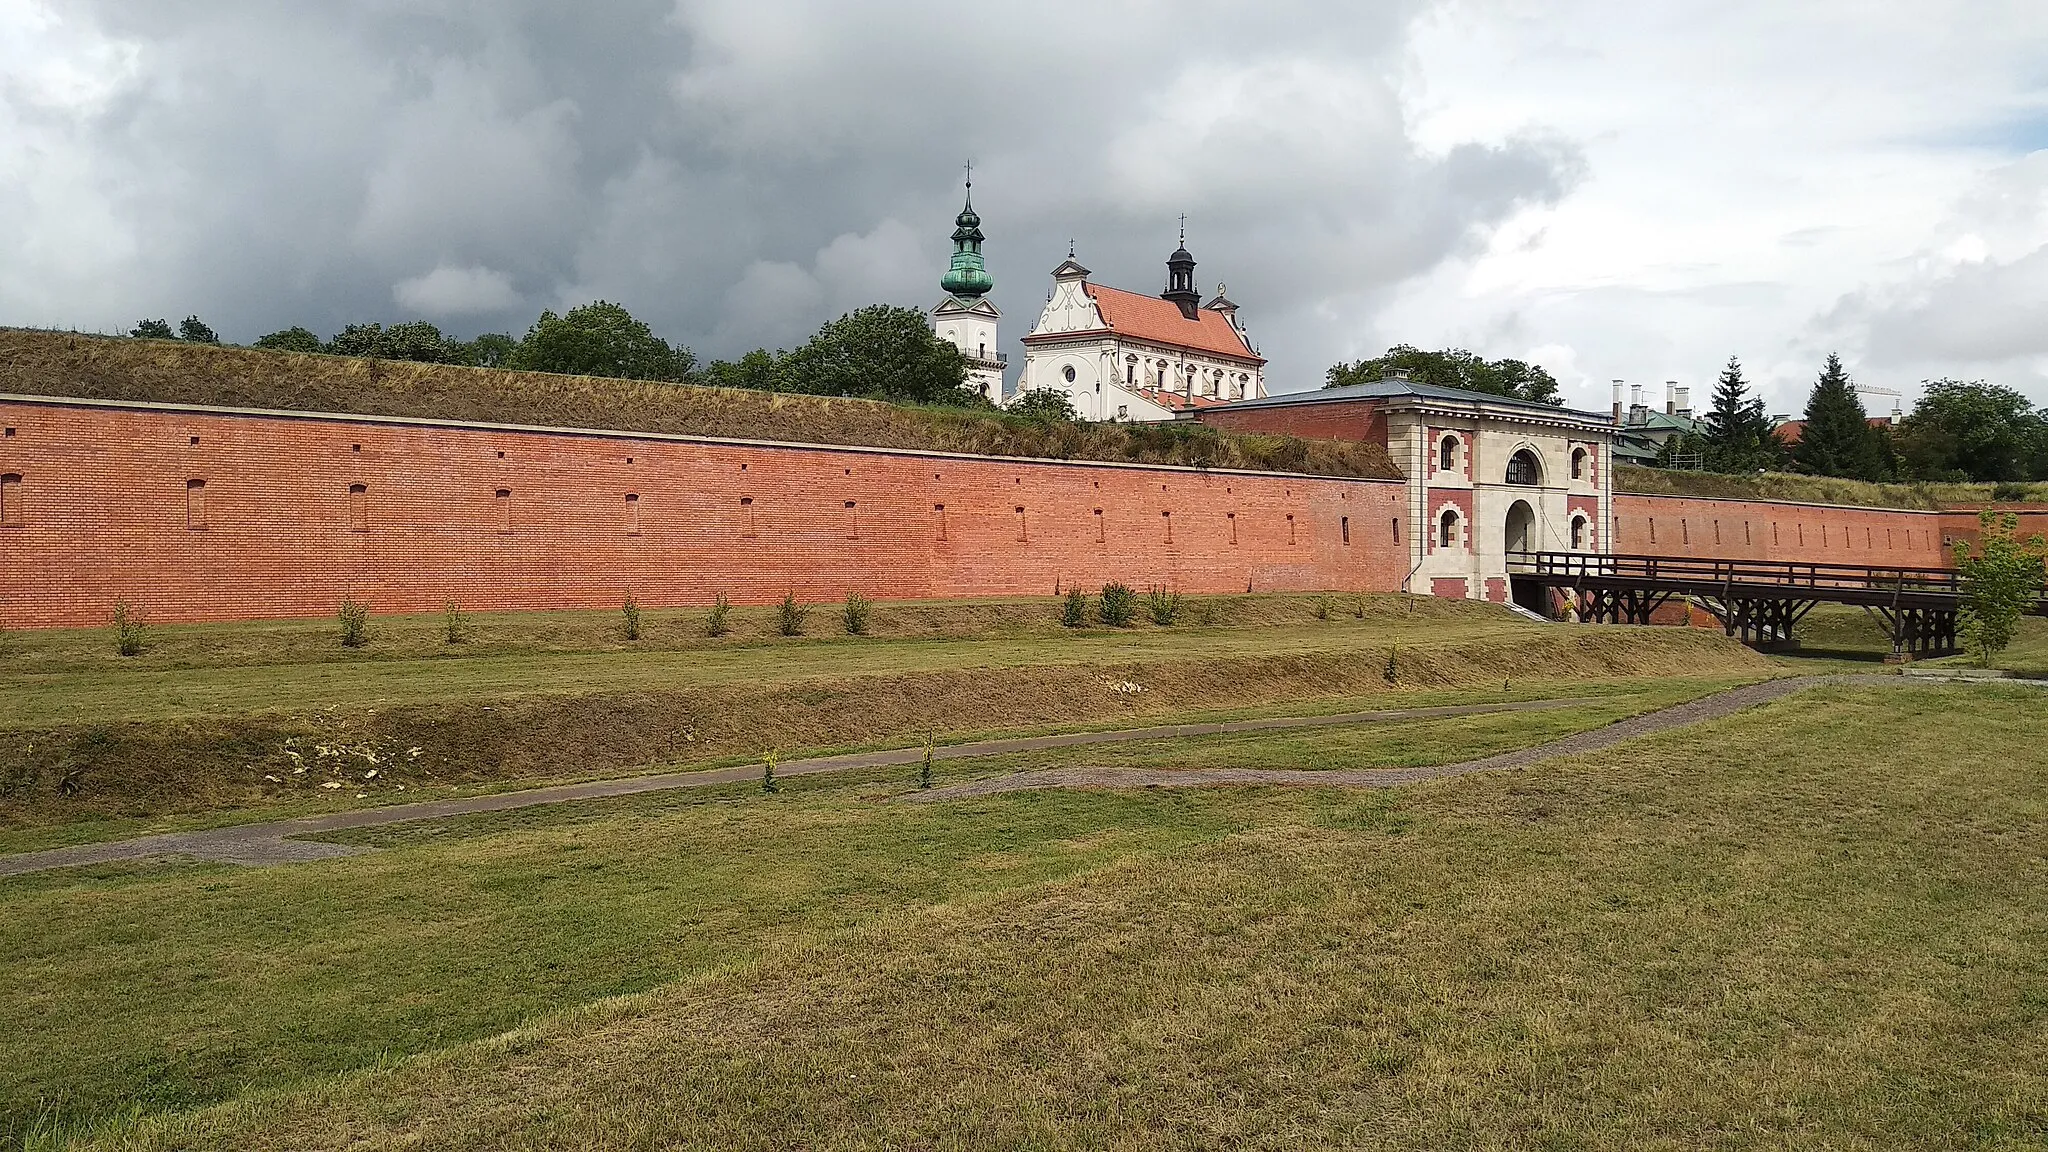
{"x": 1120, "y": 355}
{"x": 965, "y": 318}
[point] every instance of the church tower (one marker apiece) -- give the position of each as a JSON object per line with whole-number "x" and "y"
{"x": 965, "y": 319}
{"x": 1180, "y": 277}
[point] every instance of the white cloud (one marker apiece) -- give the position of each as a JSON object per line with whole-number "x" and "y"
{"x": 450, "y": 291}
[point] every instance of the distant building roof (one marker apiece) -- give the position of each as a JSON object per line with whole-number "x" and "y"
{"x": 1397, "y": 389}
{"x": 1792, "y": 431}
{"x": 1160, "y": 321}
{"x": 1176, "y": 402}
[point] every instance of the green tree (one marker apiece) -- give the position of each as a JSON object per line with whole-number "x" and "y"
{"x": 153, "y": 330}
{"x": 759, "y": 369}
{"x": 293, "y": 339}
{"x": 1837, "y": 439}
{"x": 1452, "y": 368}
{"x": 365, "y": 340}
{"x": 193, "y": 330}
{"x": 1047, "y": 405}
{"x": 600, "y": 339}
{"x": 880, "y": 352}
{"x": 2004, "y": 575}
{"x": 418, "y": 341}
{"x": 1973, "y": 431}
{"x": 490, "y": 350}
{"x": 1738, "y": 432}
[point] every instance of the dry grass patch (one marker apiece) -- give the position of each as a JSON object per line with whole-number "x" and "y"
{"x": 114, "y": 368}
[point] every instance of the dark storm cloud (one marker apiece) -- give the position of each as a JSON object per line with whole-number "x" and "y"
{"x": 734, "y": 172}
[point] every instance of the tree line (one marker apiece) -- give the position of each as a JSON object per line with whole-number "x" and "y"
{"x": 880, "y": 352}
{"x": 1957, "y": 431}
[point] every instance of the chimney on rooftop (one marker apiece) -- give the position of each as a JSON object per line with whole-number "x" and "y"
{"x": 1671, "y": 397}
{"x": 1685, "y": 403}
{"x": 1617, "y": 402}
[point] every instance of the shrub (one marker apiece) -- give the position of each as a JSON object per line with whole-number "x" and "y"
{"x": 768, "y": 782}
{"x": 1163, "y": 604}
{"x": 924, "y": 765}
{"x": 127, "y": 629}
{"x": 454, "y": 623}
{"x": 2007, "y": 492}
{"x": 1119, "y": 605}
{"x": 789, "y": 616}
{"x": 715, "y": 622}
{"x": 355, "y": 623}
{"x": 1393, "y": 672}
{"x": 856, "y": 614}
{"x": 1074, "y": 609}
{"x": 2004, "y": 576}
{"x": 1322, "y": 607}
{"x": 629, "y": 614}
{"x": 1358, "y": 608}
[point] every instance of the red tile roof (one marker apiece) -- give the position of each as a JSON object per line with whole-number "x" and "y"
{"x": 1790, "y": 431}
{"x": 1159, "y": 321}
{"x": 1178, "y": 402}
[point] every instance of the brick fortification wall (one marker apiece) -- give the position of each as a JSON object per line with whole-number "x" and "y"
{"x": 1686, "y": 526}
{"x": 194, "y": 515}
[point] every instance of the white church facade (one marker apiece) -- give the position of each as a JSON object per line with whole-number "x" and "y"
{"x": 1119, "y": 355}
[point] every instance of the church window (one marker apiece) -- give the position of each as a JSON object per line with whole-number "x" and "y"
{"x": 358, "y": 508}
{"x": 984, "y": 351}
{"x": 10, "y": 500}
{"x": 195, "y": 505}
{"x": 1523, "y": 469}
{"x": 1068, "y": 372}
{"x": 1447, "y": 529}
{"x": 1130, "y": 374}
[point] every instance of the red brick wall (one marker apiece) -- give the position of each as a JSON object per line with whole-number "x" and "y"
{"x": 102, "y": 508}
{"x": 1764, "y": 530}
{"x": 1338, "y": 420}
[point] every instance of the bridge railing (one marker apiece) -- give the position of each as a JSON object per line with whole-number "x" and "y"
{"x": 1564, "y": 567}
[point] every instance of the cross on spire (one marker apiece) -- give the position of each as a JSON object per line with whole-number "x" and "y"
{"x": 1183, "y": 229}
{"x": 970, "y": 173}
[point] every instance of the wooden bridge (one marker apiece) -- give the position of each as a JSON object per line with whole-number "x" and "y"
{"x": 1758, "y": 601}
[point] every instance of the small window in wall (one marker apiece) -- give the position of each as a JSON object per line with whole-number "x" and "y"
{"x": 1344, "y": 525}
{"x": 1167, "y": 518}
{"x": 747, "y": 517}
{"x": 1717, "y": 531}
{"x": 1447, "y": 529}
{"x": 632, "y": 514}
{"x": 1653, "y": 529}
{"x": 1397, "y": 529}
{"x": 1231, "y": 519}
{"x": 1099, "y": 537}
{"x": 939, "y": 514}
{"x": 1684, "y": 531}
{"x": 852, "y": 521}
{"x": 1290, "y": 527}
{"x": 1447, "y": 454}
{"x": 195, "y": 505}
{"x": 1022, "y": 533}
{"x": 358, "y": 508}
{"x": 1578, "y": 463}
{"x": 502, "y": 498}
{"x": 1774, "y": 533}
{"x": 10, "y": 500}
{"x": 1866, "y": 537}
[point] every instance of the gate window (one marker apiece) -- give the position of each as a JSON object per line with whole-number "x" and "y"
{"x": 1523, "y": 469}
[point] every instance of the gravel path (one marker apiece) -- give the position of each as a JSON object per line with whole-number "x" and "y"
{"x": 1693, "y": 712}
{"x": 275, "y": 842}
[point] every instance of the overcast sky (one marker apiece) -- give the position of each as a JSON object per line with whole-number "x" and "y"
{"x": 1612, "y": 189}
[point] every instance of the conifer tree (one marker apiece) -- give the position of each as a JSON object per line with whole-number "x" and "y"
{"x": 1837, "y": 439}
{"x": 1738, "y": 433}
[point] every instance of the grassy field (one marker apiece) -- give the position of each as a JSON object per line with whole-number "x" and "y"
{"x": 1815, "y": 925}
{"x": 114, "y": 368}
{"x": 1842, "y": 631}
{"x": 217, "y": 721}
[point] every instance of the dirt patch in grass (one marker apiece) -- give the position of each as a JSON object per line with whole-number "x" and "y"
{"x": 148, "y": 768}
{"x": 114, "y": 368}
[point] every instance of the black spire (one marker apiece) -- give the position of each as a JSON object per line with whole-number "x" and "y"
{"x": 1180, "y": 277}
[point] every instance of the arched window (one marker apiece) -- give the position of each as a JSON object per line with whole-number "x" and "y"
{"x": 1578, "y": 463}
{"x": 1447, "y": 530}
{"x": 1578, "y": 533}
{"x": 1523, "y": 469}
{"x": 1447, "y": 454}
